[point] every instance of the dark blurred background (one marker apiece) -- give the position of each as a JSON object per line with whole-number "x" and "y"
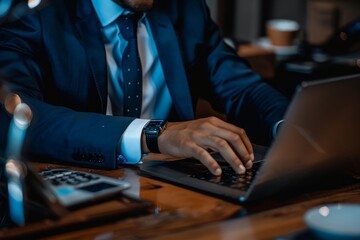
{"x": 244, "y": 20}
{"x": 328, "y": 44}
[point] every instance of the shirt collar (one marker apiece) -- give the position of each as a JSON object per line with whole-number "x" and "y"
{"x": 107, "y": 11}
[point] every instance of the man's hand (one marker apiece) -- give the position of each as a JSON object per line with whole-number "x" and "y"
{"x": 194, "y": 138}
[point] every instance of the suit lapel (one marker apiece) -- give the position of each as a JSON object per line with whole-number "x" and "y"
{"x": 172, "y": 64}
{"x": 89, "y": 29}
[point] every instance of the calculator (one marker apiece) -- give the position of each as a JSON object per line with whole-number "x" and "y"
{"x": 75, "y": 187}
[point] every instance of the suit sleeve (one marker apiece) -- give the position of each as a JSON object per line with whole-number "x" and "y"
{"x": 238, "y": 91}
{"x": 56, "y": 133}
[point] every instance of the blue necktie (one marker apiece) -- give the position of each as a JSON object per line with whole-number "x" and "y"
{"x": 131, "y": 66}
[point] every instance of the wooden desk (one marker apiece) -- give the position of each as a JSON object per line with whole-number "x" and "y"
{"x": 179, "y": 213}
{"x": 273, "y": 223}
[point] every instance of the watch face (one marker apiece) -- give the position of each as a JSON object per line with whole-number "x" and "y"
{"x": 157, "y": 123}
{"x": 155, "y": 126}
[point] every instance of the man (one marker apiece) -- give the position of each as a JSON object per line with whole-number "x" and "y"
{"x": 71, "y": 62}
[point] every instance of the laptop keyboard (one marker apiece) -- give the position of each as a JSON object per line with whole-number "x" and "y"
{"x": 229, "y": 177}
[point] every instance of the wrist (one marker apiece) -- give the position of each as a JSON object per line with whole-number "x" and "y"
{"x": 151, "y": 133}
{"x": 144, "y": 148}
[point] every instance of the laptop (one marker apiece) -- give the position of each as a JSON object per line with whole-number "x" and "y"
{"x": 320, "y": 136}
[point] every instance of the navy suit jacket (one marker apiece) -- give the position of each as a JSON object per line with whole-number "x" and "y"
{"x": 54, "y": 58}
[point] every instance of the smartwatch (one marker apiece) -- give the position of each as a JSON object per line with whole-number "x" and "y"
{"x": 152, "y": 131}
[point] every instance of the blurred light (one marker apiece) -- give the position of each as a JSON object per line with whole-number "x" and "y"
{"x": 33, "y": 3}
{"x": 11, "y": 10}
{"x": 17, "y": 130}
{"x": 4, "y": 7}
{"x": 14, "y": 173}
{"x": 22, "y": 116}
{"x": 324, "y": 211}
{"x": 12, "y": 169}
{"x": 16, "y": 192}
{"x": 11, "y": 101}
{"x": 16, "y": 202}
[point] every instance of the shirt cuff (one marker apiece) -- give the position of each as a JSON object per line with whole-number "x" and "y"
{"x": 276, "y": 128}
{"x": 130, "y": 142}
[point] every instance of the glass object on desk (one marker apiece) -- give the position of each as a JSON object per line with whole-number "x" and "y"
{"x": 334, "y": 221}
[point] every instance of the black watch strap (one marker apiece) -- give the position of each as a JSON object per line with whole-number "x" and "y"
{"x": 152, "y": 143}
{"x": 152, "y": 131}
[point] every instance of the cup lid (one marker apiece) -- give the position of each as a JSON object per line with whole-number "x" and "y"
{"x": 283, "y": 25}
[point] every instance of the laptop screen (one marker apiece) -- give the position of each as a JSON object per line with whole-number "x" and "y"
{"x": 320, "y": 134}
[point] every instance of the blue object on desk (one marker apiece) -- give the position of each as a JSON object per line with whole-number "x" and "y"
{"x": 335, "y": 221}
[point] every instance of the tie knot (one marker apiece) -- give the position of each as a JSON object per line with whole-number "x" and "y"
{"x": 128, "y": 25}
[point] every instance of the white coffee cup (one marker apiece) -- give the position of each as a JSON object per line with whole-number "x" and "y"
{"x": 282, "y": 32}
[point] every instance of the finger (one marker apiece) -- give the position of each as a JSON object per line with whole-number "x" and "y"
{"x": 241, "y": 132}
{"x": 227, "y": 152}
{"x": 248, "y": 145}
{"x": 205, "y": 158}
{"x": 234, "y": 140}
